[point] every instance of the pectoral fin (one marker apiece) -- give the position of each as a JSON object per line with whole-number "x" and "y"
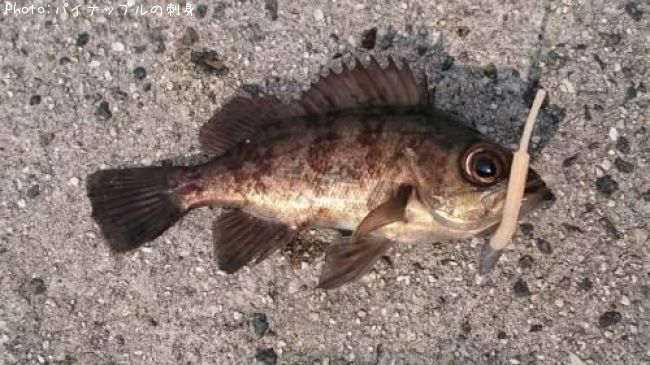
{"x": 391, "y": 210}
{"x": 347, "y": 261}
{"x": 356, "y": 254}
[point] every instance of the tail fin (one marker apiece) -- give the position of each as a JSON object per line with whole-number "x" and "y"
{"x": 133, "y": 206}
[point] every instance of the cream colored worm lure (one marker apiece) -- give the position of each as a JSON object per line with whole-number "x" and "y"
{"x": 516, "y": 185}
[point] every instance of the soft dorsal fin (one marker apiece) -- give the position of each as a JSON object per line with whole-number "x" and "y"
{"x": 361, "y": 86}
{"x": 240, "y": 119}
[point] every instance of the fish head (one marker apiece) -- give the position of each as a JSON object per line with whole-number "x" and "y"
{"x": 464, "y": 191}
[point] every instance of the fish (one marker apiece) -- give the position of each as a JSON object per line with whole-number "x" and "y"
{"x": 362, "y": 151}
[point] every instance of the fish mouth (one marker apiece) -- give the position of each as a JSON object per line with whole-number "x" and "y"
{"x": 536, "y": 193}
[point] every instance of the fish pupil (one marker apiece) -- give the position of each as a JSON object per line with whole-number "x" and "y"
{"x": 485, "y": 167}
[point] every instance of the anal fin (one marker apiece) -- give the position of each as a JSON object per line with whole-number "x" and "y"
{"x": 240, "y": 238}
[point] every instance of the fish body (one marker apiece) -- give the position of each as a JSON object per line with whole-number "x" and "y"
{"x": 361, "y": 152}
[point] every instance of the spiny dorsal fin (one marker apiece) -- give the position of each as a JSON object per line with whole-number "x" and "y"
{"x": 365, "y": 86}
{"x": 361, "y": 86}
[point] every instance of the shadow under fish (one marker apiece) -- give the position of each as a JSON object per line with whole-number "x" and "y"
{"x": 362, "y": 151}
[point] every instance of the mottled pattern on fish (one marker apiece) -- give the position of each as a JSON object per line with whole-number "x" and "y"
{"x": 322, "y": 172}
{"x": 360, "y": 152}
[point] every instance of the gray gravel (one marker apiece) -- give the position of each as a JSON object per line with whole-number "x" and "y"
{"x": 88, "y": 92}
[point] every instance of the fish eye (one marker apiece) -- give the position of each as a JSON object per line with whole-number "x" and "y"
{"x": 484, "y": 165}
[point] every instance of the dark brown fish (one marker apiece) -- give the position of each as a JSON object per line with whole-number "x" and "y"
{"x": 360, "y": 152}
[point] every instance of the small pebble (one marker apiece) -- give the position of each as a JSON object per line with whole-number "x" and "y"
{"x": 570, "y": 161}
{"x": 466, "y": 327}
{"x": 526, "y": 262}
{"x": 82, "y": 39}
{"x": 36, "y": 286}
{"x": 599, "y": 61}
{"x": 625, "y": 300}
{"x": 521, "y": 288}
{"x": 190, "y": 37}
{"x": 369, "y": 38}
{"x": 611, "y": 39}
{"x": 617, "y": 67}
{"x": 118, "y": 47}
{"x": 646, "y": 195}
{"x": 627, "y": 72}
{"x": 623, "y": 145}
{"x": 140, "y": 73}
{"x": 209, "y": 61}
{"x": 568, "y": 86}
{"x": 219, "y": 10}
{"x": 608, "y": 319}
{"x": 632, "y": 9}
{"x": 318, "y": 15}
{"x": 259, "y": 323}
{"x": 447, "y": 62}
{"x": 606, "y": 186}
{"x": 570, "y": 228}
{"x": 266, "y": 356}
{"x": 623, "y": 166}
{"x": 575, "y": 360}
{"x": 544, "y": 246}
{"x": 271, "y": 6}
{"x": 527, "y": 229}
{"x": 463, "y": 31}
{"x": 201, "y": 11}
{"x": 21, "y": 203}
{"x": 34, "y": 191}
{"x": 73, "y": 181}
{"x": 640, "y": 236}
{"x": 555, "y": 60}
{"x": 386, "y": 41}
{"x": 609, "y": 227}
{"x": 613, "y": 134}
{"x": 490, "y": 71}
{"x": 630, "y": 93}
{"x": 35, "y": 100}
{"x": 252, "y": 89}
{"x": 587, "y": 113}
{"x": 158, "y": 37}
{"x": 104, "y": 111}
{"x": 606, "y": 165}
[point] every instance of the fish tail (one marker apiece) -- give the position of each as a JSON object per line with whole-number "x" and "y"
{"x": 134, "y": 205}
